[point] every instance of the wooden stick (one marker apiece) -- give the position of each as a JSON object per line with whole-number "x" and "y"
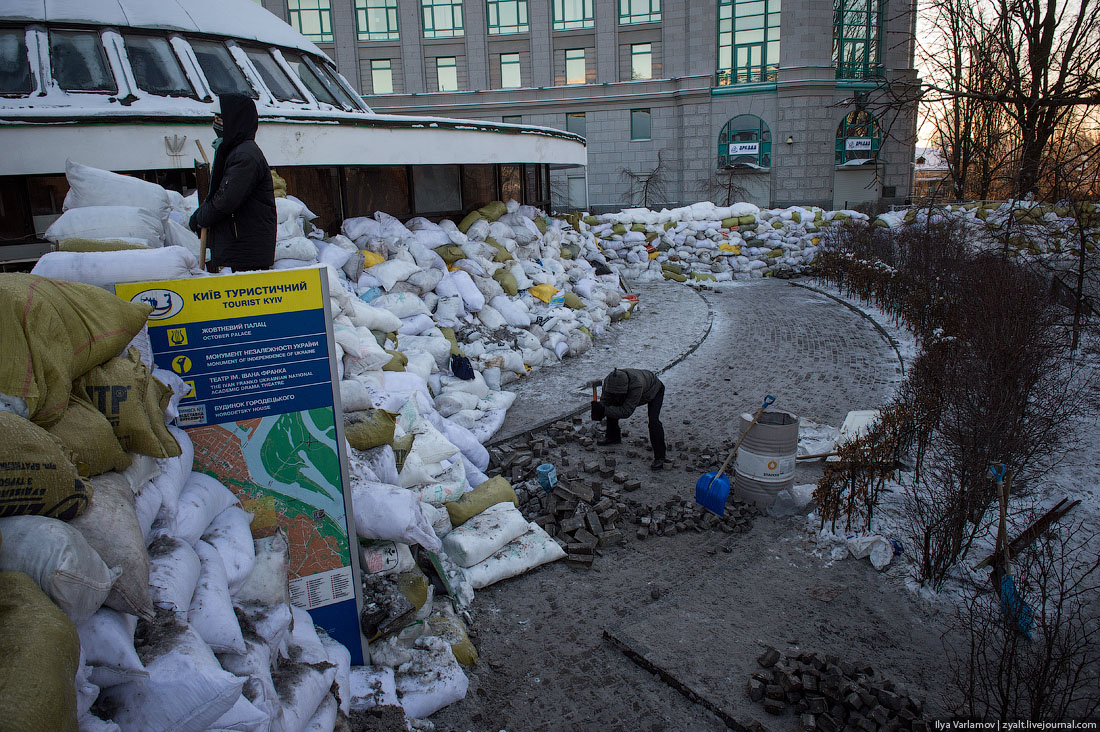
{"x": 1032, "y": 532}
{"x": 203, "y": 233}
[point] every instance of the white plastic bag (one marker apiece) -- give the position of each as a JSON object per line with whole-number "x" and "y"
{"x": 874, "y": 547}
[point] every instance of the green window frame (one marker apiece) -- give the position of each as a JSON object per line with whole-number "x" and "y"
{"x": 576, "y": 123}
{"x": 857, "y": 39}
{"x": 748, "y": 41}
{"x": 446, "y": 73}
{"x": 381, "y": 76}
{"x": 639, "y": 11}
{"x": 641, "y": 61}
{"x": 858, "y": 137}
{"x": 573, "y": 14}
{"x": 737, "y": 138}
{"x": 442, "y": 18}
{"x": 311, "y": 18}
{"x": 507, "y": 16}
{"x": 576, "y": 68}
{"x": 376, "y": 20}
{"x": 641, "y": 124}
{"x": 511, "y": 77}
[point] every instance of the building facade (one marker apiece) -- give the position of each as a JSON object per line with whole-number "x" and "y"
{"x": 776, "y": 102}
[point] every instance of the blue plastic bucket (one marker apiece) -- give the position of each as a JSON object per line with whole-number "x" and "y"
{"x": 547, "y": 475}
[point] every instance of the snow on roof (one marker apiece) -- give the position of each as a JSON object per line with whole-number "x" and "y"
{"x": 242, "y": 19}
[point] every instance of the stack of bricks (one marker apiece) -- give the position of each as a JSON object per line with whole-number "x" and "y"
{"x": 578, "y": 514}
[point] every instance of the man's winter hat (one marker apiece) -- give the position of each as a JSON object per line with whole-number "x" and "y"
{"x": 617, "y": 382}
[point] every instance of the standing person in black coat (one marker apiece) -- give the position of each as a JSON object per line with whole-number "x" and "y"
{"x": 239, "y": 212}
{"x": 624, "y": 390}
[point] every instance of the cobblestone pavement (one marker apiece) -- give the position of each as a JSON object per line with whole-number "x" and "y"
{"x": 557, "y": 644}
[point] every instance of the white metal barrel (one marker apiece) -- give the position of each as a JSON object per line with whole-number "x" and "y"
{"x": 765, "y": 460}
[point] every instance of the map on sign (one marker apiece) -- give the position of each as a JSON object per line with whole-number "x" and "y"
{"x": 283, "y": 469}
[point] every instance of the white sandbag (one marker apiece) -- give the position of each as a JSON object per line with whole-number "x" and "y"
{"x": 491, "y": 318}
{"x": 391, "y": 229}
{"x": 324, "y": 719}
{"x": 268, "y": 624}
{"x": 86, "y": 691}
{"x": 374, "y": 318}
{"x": 487, "y": 286}
{"x": 416, "y": 325}
{"x": 147, "y": 504}
{"x": 450, "y": 402}
{"x": 296, "y": 247}
{"x": 474, "y": 476}
{"x": 447, "y": 286}
{"x": 211, "y": 613}
{"x": 441, "y": 520}
{"x": 88, "y": 722}
{"x": 383, "y": 558}
{"x": 423, "y": 255}
{"x": 471, "y": 297}
{"x": 178, "y": 235}
{"x": 230, "y": 534}
{"x": 422, "y": 364}
{"x": 526, "y": 552}
{"x": 484, "y": 534}
{"x": 243, "y": 716}
{"x": 384, "y": 511}
{"x": 372, "y": 686}
{"x": 334, "y": 256}
{"x": 173, "y": 573}
{"x": 174, "y": 472}
{"x": 505, "y": 359}
{"x": 446, "y": 485}
{"x": 431, "y": 681}
{"x": 255, "y": 665}
{"x": 110, "y": 526}
{"x": 380, "y": 460}
{"x": 438, "y": 346}
{"x": 392, "y": 271}
{"x": 449, "y": 309}
{"x": 267, "y": 584}
{"x": 289, "y": 229}
{"x": 59, "y": 560}
{"x": 467, "y": 418}
{"x": 370, "y": 356}
{"x": 497, "y": 400}
{"x": 402, "y": 304}
{"x": 340, "y": 657}
{"x": 106, "y": 269}
{"x": 90, "y": 186}
{"x": 202, "y": 499}
{"x": 360, "y": 227}
{"x": 513, "y": 314}
{"x": 187, "y": 691}
{"x": 478, "y": 230}
{"x": 107, "y": 641}
{"x": 354, "y": 396}
{"x": 303, "y": 686}
{"x": 398, "y": 388}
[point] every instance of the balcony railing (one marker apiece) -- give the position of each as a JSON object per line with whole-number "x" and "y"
{"x": 859, "y": 71}
{"x": 760, "y": 74}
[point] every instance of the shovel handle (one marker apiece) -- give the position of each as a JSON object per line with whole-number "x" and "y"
{"x": 595, "y": 396}
{"x": 768, "y": 401}
{"x": 202, "y": 248}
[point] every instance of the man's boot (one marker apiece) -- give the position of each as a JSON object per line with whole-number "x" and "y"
{"x": 657, "y": 463}
{"x": 605, "y": 440}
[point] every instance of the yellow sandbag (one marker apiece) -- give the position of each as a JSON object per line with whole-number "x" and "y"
{"x": 369, "y": 428}
{"x": 730, "y": 222}
{"x": 703, "y": 276}
{"x": 491, "y": 492}
{"x": 543, "y": 292}
{"x": 371, "y": 258}
{"x": 470, "y": 219}
{"x": 591, "y": 220}
{"x": 450, "y": 253}
{"x": 452, "y": 630}
{"x": 52, "y": 331}
{"x": 654, "y": 255}
{"x": 132, "y": 400}
{"x": 746, "y": 220}
{"x": 414, "y": 586}
{"x": 502, "y": 255}
{"x": 573, "y": 301}
{"x": 540, "y": 224}
{"x": 78, "y": 244}
{"x": 39, "y": 655}
{"x": 670, "y": 267}
{"x": 279, "y": 183}
{"x": 731, "y": 248}
{"x": 618, "y": 229}
{"x": 397, "y": 363}
{"x": 777, "y": 253}
{"x": 449, "y": 334}
{"x": 493, "y": 211}
{"x": 507, "y": 281}
{"x": 37, "y": 476}
{"x": 670, "y": 275}
{"x": 639, "y": 228}
{"x": 89, "y": 437}
{"x": 401, "y": 447}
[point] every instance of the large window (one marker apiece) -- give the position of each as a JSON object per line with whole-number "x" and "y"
{"x": 80, "y": 63}
{"x": 576, "y": 123}
{"x": 376, "y": 20}
{"x": 510, "y": 76}
{"x": 221, "y": 72}
{"x": 573, "y": 14}
{"x": 381, "y": 76}
{"x": 857, "y": 33}
{"x": 156, "y": 68}
{"x": 641, "y": 125}
{"x": 745, "y": 140}
{"x": 442, "y": 18}
{"x": 575, "y": 69}
{"x": 15, "y": 69}
{"x": 641, "y": 61}
{"x": 322, "y": 89}
{"x": 446, "y": 73}
{"x": 507, "y": 16}
{"x": 748, "y": 41}
{"x": 639, "y": 11}
{"x": 280, "y": 85}
{"x": 858, "y": 137}
{"x": 312, "y": 18}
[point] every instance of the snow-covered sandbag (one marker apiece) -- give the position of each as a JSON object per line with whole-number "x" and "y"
{"x": 360, "y": 227}
{"x": 491, "y": 318}
{"x": 385, "y": 511}
{"x": 109, "y": 222}
{"x": 59, "y": 560}
{"x": 392, "y": 271}
{"x": 243, "y": 716}
{"x": 90, "y": 186}
{"x": 354, "y": 396}
{"x": 296, "y": 247}
{"x": 484, "y": 534}
{"x": 372, "y": 686}
{"x": 524, "y": 553}
{"x": 374, "y": 318}
{"x": 513, "y": 314}
{"x": 174, "y": 569}
{"x": 416, "y": 325}
{"x": 267, "y": 583}
{"x": 324, "y": 718}
{"x": 106, "y": 269}
{"x": 255, "y": 664}
{"x": 178, "y": 235}
{"x": 202, "y": 499}
{"x": 471, "y": 297}
{"x": 211, "y": 613}
{"x": 107, "y": 639}
{"x": 401, "y": 304}
{"x": 339, "y": 656}
{"x": 230, "y": 534}
{"x": 187, "y": 691}
{"x": 431, "y": 681}
{"x": 269, "y": 624}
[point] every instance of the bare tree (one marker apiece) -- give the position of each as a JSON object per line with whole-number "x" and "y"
{"x": 723, "y": 187}
{"x": 647, "y": 187}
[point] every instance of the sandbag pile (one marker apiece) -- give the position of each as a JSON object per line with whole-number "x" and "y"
{"x": 707, "y": 243}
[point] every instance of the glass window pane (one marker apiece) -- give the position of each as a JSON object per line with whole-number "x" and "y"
{"x": 332, "y": 82}
{"x": 641, "y": 61}
{"x": 221, "y": 72}
{"x": 312, "y": 81}
{"x": 574, "y": 66}
{"x": 576, "y": 123}
{"x": 447, "y": 73}
{"x": 312, "y": 18}
{"x": 507, "y": 16}
{"x": 512, "y": 119}
{"x": 80, "y": 63}
{"x": 437, "y": 188}
{"x": 572, "y": 14}
{"x": 442, "y": 18}
{"x": 381, "y": 74}
{"x": 510, "y": 76}
{"x": 639, "y": 124}
{"x": 274, "y": 77}
{"x": 376, "y": 20}
{"x": 156, "y": 68}
{"x": 15, "y": 68}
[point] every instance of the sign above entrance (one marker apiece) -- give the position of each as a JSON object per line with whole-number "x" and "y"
{"x": 858, "y": 143}
{"x": 744, "y": 148}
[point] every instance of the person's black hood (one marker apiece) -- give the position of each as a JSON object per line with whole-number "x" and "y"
{"x": 239, "y": 123}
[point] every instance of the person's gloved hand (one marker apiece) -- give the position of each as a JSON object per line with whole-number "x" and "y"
{"x": 598, "y": 411}
{"x": 193, "y": 222}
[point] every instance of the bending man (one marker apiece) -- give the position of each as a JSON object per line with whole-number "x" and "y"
{"x": 624, "y": 390}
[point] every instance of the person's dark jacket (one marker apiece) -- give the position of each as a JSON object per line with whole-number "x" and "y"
{"x": 624, "y": 390}
{"x": 240, "y": 212}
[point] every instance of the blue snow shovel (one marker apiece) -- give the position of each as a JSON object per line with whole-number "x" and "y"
{"x": 1014, "y": 606}
{"x": 712, "y": 490}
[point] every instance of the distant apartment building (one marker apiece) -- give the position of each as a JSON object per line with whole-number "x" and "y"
{"x": 774, "y": 99}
